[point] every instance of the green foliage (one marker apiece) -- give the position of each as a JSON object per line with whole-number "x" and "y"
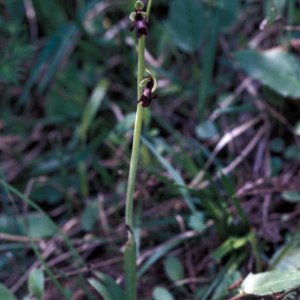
{"x": 90, "y": 216}
{"x": 206, "y": 130}
{"x": 186, "y": 24}
{"x": 14, "y": 52}
{"x": 277, "y": 145}
{"x": 232, "y": 243}
{"x": 229, "y": 12}
{"x": 174, "y": 268}
{"x": 265, "y": 67}
{"x": 268, "y": 283}
{"x": 38, "y": 225}
{"x": 197, "y": 221}
{"x": 291, "y": 196}
{"x": 107, "y": 287}
{"x": 36, "y": 283}
{"x": 5, "y": 293}
{"x": 161, "y": 293}
{"x": 92, "y": 108}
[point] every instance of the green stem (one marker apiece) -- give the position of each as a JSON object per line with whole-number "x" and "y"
{"x": 149, "y": 4}
{"x": 136, "y": 136}
{"x": 130, "y": 247}
{"x": 253, "y": 242}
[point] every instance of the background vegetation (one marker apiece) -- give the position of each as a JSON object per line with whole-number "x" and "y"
{"x": 218, "y": 191}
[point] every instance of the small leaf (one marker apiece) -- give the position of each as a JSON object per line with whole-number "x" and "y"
{"x": 277, "y": 145}
{"x": 291, "y": 196}
{"x": 186, "y": 23}
{"x": 268, "y": 283}
{"x": 36, "y": 283}
{"x": 90, "y": 216}
{"x": 46, "y": 193}
{"x": 276, "y": 165}
{"x": 174, "y": 268}
{"x": 206, "y": 130}
{"x": 276, "y": 69}
{"x": 196, "y": 222}
{"x": 38, "y": 225}
{"x": 6, "y": 294}
{"x": 292, "y": 152}
{"x": 160, "y": 293}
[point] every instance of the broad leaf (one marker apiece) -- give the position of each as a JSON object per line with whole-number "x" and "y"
{"x": 186, "y": 23}
{"x": 274, "y": 68}
{"x": 37, "y": 225}
{"x": 270, "y": 282}
{"x": 6, "y": 294}
{"x": 229, "y": 13}
{"x": 289, "y": 261}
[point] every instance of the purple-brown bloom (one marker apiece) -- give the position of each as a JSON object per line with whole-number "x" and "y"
{"x": 140, "y": 22}
{"x": 148, "y": 95}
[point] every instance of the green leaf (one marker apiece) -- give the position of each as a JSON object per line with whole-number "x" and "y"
{"x": 173, "y": 174}
{"x": 196, "y": 222}
{"x": 160, "y": 293}
{"x": 107, "y": 287}
{"x": 290, "y": 260}
{"x": 229, "y": 13}
{"x": 92, "y": 107}
{"x": 229, "y": 245}
{"x": 185, "y": 24}
{"x": 38, "y": 225}
{"x": 130, "y": 254}
{"x": 46, "y": 193}
{"x": 273, "y": 12}
{"x": 276, "y": 165}
{"x": 90, "y": 216}
{"x": 174, "y": 268}
{"x": 6, "y": 294}
{"x": 206, "y": 130}
{"x": 277, "y": 145}
{"x": 36, "y": 283}
{"x": 274, "y": 68}
{"x": 270, "y": 282}
{"x": 291, "y": 196}
{"x": 165, "y": 248}
{"x": 292, "y": 152}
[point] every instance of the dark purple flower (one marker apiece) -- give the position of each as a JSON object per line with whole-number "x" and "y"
{"x": 140, "y": 22}
{"x": 148, "y": 94}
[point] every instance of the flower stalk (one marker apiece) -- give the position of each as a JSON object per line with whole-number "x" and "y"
{"x": 140, "y": 23}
